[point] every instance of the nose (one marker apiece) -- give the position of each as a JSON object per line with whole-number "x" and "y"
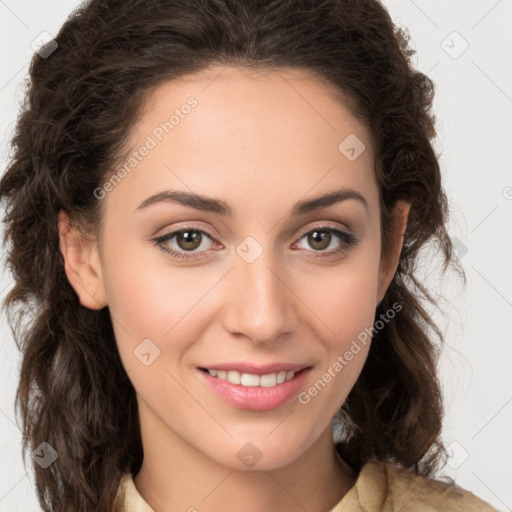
{"x": 260, "y": 303}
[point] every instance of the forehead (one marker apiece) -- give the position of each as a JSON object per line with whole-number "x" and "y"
{"x": 237, "y": 132}
{"x": 255, "y": 99}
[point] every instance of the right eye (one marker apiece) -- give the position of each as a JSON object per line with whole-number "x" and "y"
{"x": 184, "y": 240}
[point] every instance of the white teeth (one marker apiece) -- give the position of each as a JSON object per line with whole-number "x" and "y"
{"x": 233, "y": 377}
{"x": 267, "y": 381}
{"x": 250, "y": 380}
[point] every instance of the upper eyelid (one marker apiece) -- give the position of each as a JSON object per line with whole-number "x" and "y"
{"x": 305, "y": 231}
{"x": 178, "y": 229}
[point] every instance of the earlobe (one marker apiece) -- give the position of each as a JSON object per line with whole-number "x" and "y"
{"x": 81, "y": 264}
{"x": 389, "y": 263}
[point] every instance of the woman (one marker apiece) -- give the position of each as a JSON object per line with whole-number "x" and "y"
{"x": 215, "y": 210}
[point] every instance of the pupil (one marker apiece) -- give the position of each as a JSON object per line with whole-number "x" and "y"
{"x": 322, "y": 238}
{"x": 188, "y": 240}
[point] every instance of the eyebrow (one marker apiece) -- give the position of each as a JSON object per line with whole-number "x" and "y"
{"x": 210, "y": 204}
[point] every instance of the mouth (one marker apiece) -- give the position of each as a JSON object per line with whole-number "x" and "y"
{"x": 257, "y": 389}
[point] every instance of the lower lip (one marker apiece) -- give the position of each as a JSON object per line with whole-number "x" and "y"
{"x": 256, "y": 398}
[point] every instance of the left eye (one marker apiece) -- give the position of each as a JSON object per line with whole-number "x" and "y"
{"x": 322, "y": 237}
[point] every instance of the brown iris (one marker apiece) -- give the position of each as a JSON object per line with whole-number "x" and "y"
{"x": 188, "y": 240}
{"x": 321, "y": 237}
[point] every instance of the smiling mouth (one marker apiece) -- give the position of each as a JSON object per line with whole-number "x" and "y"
{"x": 251, "y": 380}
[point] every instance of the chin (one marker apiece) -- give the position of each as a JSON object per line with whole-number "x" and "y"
{"x": 259, "y": 453}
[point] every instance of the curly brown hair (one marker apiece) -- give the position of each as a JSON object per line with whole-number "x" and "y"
{"x": 80, "y": 104}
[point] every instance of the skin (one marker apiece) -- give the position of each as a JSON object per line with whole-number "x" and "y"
{"x": 260, "y": 141}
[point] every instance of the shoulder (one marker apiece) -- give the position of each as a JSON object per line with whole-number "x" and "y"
{"x": 128, "y": 498}
{"x": 386, "y": 486}
{"x": 416, "y": 490}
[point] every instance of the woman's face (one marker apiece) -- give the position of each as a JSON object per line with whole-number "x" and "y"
{"x": 242, "y": 272}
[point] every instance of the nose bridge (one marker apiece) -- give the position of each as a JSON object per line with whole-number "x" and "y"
{"x": 260, "y": 304}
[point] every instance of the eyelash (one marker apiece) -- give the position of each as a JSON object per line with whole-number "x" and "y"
{"x": 348, "y": 240}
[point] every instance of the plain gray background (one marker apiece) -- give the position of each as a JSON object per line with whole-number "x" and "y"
{"x": 466, "y": 48}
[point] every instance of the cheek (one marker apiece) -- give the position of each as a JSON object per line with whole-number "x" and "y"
{"x": 150, "y": 311}
{"x": 343, "y": 297}
{"x": 139, "y": 311}
{"x": 154, "y": 301}
{"x": 344, "y": 329}
{"x": 146, "y": 295}
{"x": 342, "y": 302}
{"x": 346, "y": 310}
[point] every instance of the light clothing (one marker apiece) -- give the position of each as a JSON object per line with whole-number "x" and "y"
{"x": 380, "y": 487}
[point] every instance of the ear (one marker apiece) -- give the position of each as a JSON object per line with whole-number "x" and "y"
{"x": 389, "y": 262}
{"x": 81, "y": 264}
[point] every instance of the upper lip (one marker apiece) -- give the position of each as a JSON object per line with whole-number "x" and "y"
{"x": 254, "y": 369}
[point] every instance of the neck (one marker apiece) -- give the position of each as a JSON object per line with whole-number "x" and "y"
{"x": 176, "y": 476}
